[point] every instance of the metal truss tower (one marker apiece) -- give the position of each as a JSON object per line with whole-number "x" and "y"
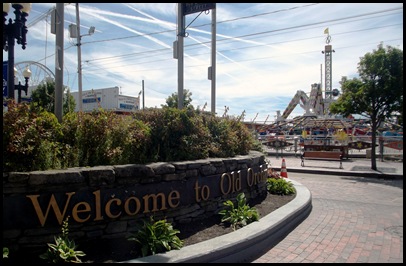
{"x": 328, "y": 60}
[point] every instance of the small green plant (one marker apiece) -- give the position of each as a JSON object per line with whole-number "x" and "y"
{"x": 279, "y": 186}
{"x": 241, "y": 215}
{"x": 64, "y": 249}
{"x": 5, "y": 252}
{"x": 156, "y": 237}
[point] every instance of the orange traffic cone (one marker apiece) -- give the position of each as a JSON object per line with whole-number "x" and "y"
{"x": 284, "y": 172}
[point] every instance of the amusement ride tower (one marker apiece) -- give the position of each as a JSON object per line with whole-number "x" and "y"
{"x": 315, "y": 105}
{"x": 328, "y": 60}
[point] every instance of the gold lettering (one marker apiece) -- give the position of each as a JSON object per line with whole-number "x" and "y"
{"x": 205, "y": 192}
{"x": 97, "y": 205}
{"x": 154, "y": 201}
{"x": 127, "y": 205}
{"x": 222, "y": 188}
{"x": 264, "y": 173}
{"x": 52, "y": 203}
{"x": 76, "y": 210}
{"x": 173, "y": 196}
{"x": 250, "y": 177}
{"x": 83, "y": 211}
{"x": 236, "y": 181}
{"x": 197, "y": 191}
{"x": 108, "y": 208}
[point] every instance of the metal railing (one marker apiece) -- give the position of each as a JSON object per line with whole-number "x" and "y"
{"x": 386, "y": 146}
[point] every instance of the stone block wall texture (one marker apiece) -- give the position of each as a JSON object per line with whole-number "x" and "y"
{"x": 102, "y": 201}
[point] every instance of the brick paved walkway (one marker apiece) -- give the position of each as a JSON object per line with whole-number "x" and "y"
{"x": 353, "y": 220}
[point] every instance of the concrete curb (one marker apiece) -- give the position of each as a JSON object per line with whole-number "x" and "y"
{"x": 246, "y": 243}
{"x": 373, "y": 174}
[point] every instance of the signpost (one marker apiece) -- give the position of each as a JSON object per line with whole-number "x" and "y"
{"x": 183, "y": 10}
{"x": 190, "y": 8}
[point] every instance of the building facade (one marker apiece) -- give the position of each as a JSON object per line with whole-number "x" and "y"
{"x": 108, "y": 99}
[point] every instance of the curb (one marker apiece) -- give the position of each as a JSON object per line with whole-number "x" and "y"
{"x": 246, "y": 243}
{"x": 373, "y": 174}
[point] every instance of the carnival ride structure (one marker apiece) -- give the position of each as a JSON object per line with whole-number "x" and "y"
{"x": 313, "y": 105}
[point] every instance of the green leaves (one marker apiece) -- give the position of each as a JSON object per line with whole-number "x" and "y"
{"x": 64, "y": 249}
{"x": 33, "y": 139}
{"x": 240, "y": 215}
{"x": 5, "y": 252}
{"x": 279, "y": 186}
{"x": 30, "y": 139}
{"x": 156, "y": 237}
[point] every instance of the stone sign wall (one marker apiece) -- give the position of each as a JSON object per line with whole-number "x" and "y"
{"x": 108, "y": 201}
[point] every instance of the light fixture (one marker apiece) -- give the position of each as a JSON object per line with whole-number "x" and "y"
{"x": 19, "y": 87}
{"x": 12, "y": 31}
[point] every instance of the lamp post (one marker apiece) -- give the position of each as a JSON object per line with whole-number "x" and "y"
{"x": 14, "y": 30}
{"x": 19, "y": 87}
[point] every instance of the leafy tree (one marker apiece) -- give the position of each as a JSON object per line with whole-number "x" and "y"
{"x": 44, "y": 96}
{"x": 172, "y": 101}
{"x": 377, "y": 93}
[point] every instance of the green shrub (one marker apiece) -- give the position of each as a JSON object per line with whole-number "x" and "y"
{"x": 30, "y": 139}
{"x": 69, "y": 140}
{"x": 239, "y": 215}
{"x": 223, "y": 140}
{"x": 129, "y": 141}
{"x": 279, "y": 186}
{"x": 229, "y": 137}
{"x": 156, "y": 237}
{"x": 92, "y": 137}
{"x": 33, "y": 139}
{"x": 176, "y": 135}
{"x": 5, "y": 252}
{"x": 257, "y": 145}
{"x": 64, "y": 249}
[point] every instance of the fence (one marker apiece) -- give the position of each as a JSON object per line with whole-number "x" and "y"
{"x": 358, "y": 145}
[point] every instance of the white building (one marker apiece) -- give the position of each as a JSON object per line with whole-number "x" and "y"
{"x": 108, "y": 99}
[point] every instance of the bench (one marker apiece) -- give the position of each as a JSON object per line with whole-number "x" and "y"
{"x": 322, "y": 155}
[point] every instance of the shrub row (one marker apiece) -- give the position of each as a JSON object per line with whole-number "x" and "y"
{"x": 33, "y": 139}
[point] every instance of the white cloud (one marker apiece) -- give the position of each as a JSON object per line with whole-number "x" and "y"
{"x": 266, "y": 52}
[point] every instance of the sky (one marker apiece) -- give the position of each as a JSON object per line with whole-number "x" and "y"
{"x": 265, "y": 52}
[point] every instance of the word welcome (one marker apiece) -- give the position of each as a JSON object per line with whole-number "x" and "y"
{"x": 99, "y": 206}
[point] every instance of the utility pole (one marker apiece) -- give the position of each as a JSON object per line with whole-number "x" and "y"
{"x": 59, "y": 60}
{"x": 79, "y": 59}
{"x": 179, "y": 47}
{"x": 143, "y": 96}
{"x": 213, "y": 61}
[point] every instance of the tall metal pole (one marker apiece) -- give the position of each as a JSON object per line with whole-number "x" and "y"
{"x": 143, "y": 98}
{"x": 10, "y": 65}
{"x": 79, "y": 58}
{"x": 17, "y": 30}
{"x": 59, "y": 60}
{"x": 180, "y": 35}
{"x": 213, "y": 61}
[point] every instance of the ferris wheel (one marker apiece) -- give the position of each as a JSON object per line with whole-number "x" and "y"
{"x": 39, "y": 73}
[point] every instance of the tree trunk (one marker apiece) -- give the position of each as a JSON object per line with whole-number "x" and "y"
{"x": 373, "y": 148}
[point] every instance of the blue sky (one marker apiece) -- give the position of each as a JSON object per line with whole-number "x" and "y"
{"x": 265, "y": 53}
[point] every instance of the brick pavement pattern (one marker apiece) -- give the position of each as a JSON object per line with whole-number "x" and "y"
{"x": 353, "y": 220}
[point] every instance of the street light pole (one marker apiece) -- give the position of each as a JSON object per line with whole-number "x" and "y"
{"x": 19, "y": 87}
{"x": 17, "y": 30}
{"x": 79, "y": 37}
{"x": 79, "y": 59}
